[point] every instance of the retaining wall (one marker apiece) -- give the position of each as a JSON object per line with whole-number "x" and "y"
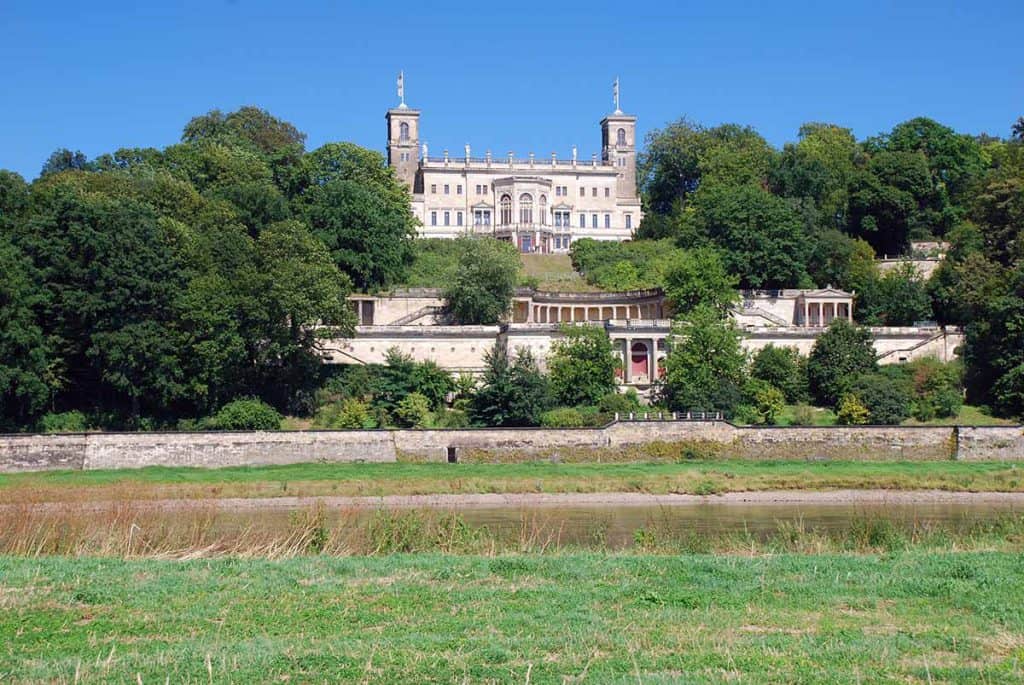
{"x": 128, "y": 450}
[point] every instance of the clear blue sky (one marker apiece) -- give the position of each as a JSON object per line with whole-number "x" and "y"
{"x": 97, "y": 76}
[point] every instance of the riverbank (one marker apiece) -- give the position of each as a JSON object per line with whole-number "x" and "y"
{"x": 696, "y": 477}
{"x": 907, "y": 617}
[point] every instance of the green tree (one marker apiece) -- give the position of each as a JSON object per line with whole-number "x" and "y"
{"x": 899, "y": 298}
{"x": 838, "y": 260}
{"x": 582, "y": 366}
{"x": 782, "y": 368}
{"x": 246, "y": 414}
{"x": 413, "y": 410}
{"x": 355, "y": 205}
{"x": 886, "y": 200}
{"x": 840, "y": 353}
{"x": 887, "y": 397}
{"x": 705, "y": 367}
{"x": 514, "y": 392}
{"x": 760, "y": 235}
{"x": 699, "y": 277}
{"x": 481, "y": 293}
{"x": 819, "y": 167}
{"x": 24, "y": 349}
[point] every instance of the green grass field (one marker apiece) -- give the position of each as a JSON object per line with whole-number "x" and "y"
{"x": 694, "y": 477}
{"x": 907, "y": 617}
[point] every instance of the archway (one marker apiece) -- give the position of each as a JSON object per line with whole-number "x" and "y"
{"x": 638, "y": 360}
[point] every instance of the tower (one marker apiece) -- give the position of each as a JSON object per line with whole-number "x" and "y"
{"x": 403, "y": 138}
{"x": 618, "y": 147}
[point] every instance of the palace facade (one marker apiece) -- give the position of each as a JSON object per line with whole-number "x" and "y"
{"x": 541, "y": 204}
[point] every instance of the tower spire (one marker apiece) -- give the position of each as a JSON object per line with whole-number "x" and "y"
{"x": 401, "y": 89}
{"x": 615, "y": 95}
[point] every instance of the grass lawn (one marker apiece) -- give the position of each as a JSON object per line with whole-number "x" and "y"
{"x": 968, "y": 416}
{"x": 555, "y": 272}
{"x": 906, "y": 617}
{"x": 694, "y": 477}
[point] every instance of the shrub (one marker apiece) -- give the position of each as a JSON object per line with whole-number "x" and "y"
{"x": 803, "y": 415}
{"x": 769, "y": 403}
{"x": 850, "y": 411}
{"x": 245, "y": 414}
{"x": 582, "y": 365}
{"x": 563, "y": 417}
{"x": 885, "y": 395}
{"x": 63, "y": 422}
{"x": 746, "y": 414}
{"x": 453, "y": 418}
{"x": 784, "y": 368}
{"x": 937, "y": 388}
{"x": 350, "y": 413}
{"x": 623, "y": 403}
{"x": 413, "y": 410}
{"x": 839, "y": 354}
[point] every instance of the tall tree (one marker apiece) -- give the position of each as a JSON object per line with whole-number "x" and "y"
{"x": 481, "y": 293}
{"x": 839, "y": 354}
{"x": 699, "y": 277}
{"x": 356, "y": 206}
{"x": 582, "y": 366}
{"x": 706, "y": 365}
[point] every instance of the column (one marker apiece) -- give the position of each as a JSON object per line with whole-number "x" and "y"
{"x": 627, "y": 370}
{"x": 652, "y": 355}
{"x": 807, "y": 314}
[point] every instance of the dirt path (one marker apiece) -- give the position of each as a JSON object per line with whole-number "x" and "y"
{"x": 618, "y": 499}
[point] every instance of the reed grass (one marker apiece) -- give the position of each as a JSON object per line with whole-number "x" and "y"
{"x": 133, "y": 530}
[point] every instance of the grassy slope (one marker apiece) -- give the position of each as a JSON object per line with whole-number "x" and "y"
{"x": 700, "y": 477}
{"x": 554, "y": 272}
{"x": 593, "y": 618}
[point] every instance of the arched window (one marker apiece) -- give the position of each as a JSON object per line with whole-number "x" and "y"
{"x": 403, "y": 131}
{"x": 621, "y": 137}
{"x": 543, "y": 210}
{"x": 506, "y": 210}
{"x": 525, "y": 209}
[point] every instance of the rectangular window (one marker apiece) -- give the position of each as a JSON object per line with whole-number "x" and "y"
{"x": 583, "y": 220}
{"x": 629, "y": 221}
{"x": 447, "y": 218}
{"x": 458, "y": 189}
{"x": 583, "y": 192}
{"x": 433, "y": 189}
{"x": 433, "y": 218}
{"x": 558, "y": 191}
{"x": 458, "y": 219}
{"x": 446, "y": 189}
{"x": 593, "y": 192}
{"x": 607, "y": 220}
{"x": 478, "y": 216}
{"x": 487, "y": 217}
{"x": 593, "y": 220}
{"x": 607, "y": 192}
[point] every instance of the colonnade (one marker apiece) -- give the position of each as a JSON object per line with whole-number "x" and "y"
{"x": 822, "y": 313}
{"x": 559, "y": 313}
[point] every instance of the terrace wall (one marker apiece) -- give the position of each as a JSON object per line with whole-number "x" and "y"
{"x": 130, "y": 450}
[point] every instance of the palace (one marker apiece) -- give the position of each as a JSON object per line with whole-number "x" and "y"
{"x": 540, "y": 204}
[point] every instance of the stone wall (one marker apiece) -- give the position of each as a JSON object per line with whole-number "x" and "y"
{"x": 979, "y": 443}
{"x": 129, "y": 450}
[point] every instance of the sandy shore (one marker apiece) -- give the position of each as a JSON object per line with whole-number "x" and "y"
{"x": 617, "y": 499}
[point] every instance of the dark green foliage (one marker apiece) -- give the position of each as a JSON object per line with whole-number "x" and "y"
{"x": 25, "y": 352}
{"x": 624, "y": 266}
{"x": 65, "y": 160}
{"x": 699, "y": 277}
{"x": 783, "y": 368}
{"x": 886, "y": 395}
{"x": 899, "y": 298}
{"x": 245, "y": 414}
{"x": 761, "y": 235}
{"x": 937, "y": 387}
{"x": 705, "y": 367}
{"x": 563, "y": 417}
{"x": 481, "y": 292}
{"x": 619, "y": 402}
{"x": 63, "y": 422}
{"x": 582, "y": 366}
{"x": 514, "y": 392}
{"x": 355, "y": 205}
{"x": 839, "y": 354}
{"x": 401, "y": 376}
